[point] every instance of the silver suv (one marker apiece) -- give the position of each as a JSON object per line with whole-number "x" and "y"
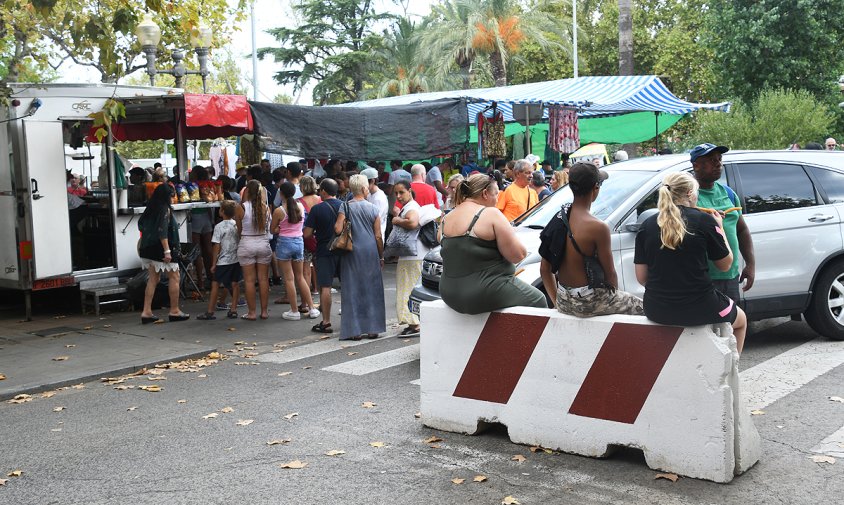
{"x": 793, "y": 203}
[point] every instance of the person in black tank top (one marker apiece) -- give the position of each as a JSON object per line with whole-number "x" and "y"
{"x": 577, "y": 264}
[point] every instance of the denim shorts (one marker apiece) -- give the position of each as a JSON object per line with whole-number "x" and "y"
{"x": 290, "y": 249}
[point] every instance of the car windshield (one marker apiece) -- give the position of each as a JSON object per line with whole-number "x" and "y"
{"x": 620, "y": 185}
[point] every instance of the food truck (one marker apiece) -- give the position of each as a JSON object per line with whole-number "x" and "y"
{"x": 51, "y": 239}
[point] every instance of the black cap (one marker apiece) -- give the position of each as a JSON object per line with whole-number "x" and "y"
{"x": 584, "y": 176}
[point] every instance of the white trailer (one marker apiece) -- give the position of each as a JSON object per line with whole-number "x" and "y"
{"x": 45, "y": 243}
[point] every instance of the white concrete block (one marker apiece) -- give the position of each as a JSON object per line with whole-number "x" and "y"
{"x": 586, "y": 385}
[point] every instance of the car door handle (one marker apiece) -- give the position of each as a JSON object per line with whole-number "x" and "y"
{"x": 820, "y": 218}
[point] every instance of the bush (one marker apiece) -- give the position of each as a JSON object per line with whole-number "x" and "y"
{"x": 775, "y": 120}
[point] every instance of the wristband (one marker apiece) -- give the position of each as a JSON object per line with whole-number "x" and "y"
{"x": 167, "y": 251}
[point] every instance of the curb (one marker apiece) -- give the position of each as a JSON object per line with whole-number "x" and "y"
{"x": 33, "y": 388}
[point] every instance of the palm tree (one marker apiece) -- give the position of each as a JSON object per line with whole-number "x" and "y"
{"x": 404, "y": 61}
{"x": 463, "y": 29}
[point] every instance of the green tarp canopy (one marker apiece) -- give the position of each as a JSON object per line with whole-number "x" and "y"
{"x": 623, "y": 129}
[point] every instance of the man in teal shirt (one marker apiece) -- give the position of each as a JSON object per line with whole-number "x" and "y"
{"x": 706, "y": 160}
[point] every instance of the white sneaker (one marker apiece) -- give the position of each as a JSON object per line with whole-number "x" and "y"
{"x": 314, "y": 313}
{"x": 291, "y": 316}
{"x": 340, "y": 311}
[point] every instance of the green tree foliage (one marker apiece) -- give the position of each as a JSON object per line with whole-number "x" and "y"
{"x": 778, "y": 43}
{"x": 332, "y": 45}
{"x": 774, "y": 120}
{"x": 404, "y": 66}
{"x": 497, "y": 29}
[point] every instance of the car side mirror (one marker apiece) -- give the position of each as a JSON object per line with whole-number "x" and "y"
{"x": 644, "y": 216}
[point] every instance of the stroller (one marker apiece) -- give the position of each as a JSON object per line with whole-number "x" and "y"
{"x": 136, "y": 286}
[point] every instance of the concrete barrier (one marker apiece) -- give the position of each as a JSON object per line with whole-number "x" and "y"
{"x": 584, "y": 386}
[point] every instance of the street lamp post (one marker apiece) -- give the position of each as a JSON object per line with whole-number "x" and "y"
{"x": 149, "y": 35}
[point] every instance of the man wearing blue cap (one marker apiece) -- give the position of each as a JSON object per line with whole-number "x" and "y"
{"x": 706, "y": 160}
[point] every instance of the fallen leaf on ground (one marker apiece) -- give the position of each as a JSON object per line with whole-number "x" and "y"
{"x": 15, "y": 473}
{"x": 479, "y": 478}
{"x": 351, "y": 353}
{"x": 291, "y": 415}
{"x": 377, "y": 444}
{"x": 48, "y": 394}
{"x": 458, "y": 481}
{"x": 56, "y": 429}
{"x": 239, "y": 342}
{"x": 22, "y": 398}
{"x": 151, "y": 389}
{"x": 3, "y": 482}
{"x": 106, "y": 326}
{"x": 58, "y": 409}
{"x": 130, "y": 409}
{"x": 123, "y": 388}
{"x": 155, "y": 371}
{"x": 2, "y": 377}
{"x": 212, "y": 415}
{"x": 823, "y": 459}
{"x": 335, "y": 452}
{"x": 519, "y": 458}
{"x": 215, "y": 355}
{"x": 202, "y": 376}
{"x": 226, "y": 410}
{"x": 757, "y": 412}
{"x": 279, "y": 441}
{"x": 509, "y": 500}
{"x": 435, "y": 446}
{"x": 432, "y": 439}
{"x": 245, "y": 422}
{"x": 61, "y": 358}
{"x": 87, "y": 327}
{"x": 181, "y": 401}
{"x": 232, "y": 329}
{"x": 368, "y": 405}
{"x": 417, "y": 415}
{"x": 667, "y": 476}
{"x": 305, "y": 367}
{"x": 285, "y": 374}
{"x": 325, "y": 337}
{"x": 295, "y": 464}
{"x": 70, "y": 346}
{"x": 277, "y": 350}
{"x": 836, "y": 399}
{"x": 158, "y": 378}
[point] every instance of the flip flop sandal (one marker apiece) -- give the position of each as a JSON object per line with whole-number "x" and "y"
{"x": 208, "y": 316}
{"x": 178, "y": 317}
{"x": 408, "y": 332}
{"x": 149, "y": 320}
{"x": 322, "y": 328}
{"x": 246, "y": 317}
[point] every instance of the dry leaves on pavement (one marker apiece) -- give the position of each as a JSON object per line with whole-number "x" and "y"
{"x": 245, "y": 422}
{"x": 335, "y": 452}
{"x": 432, "y": 440}
{"x": 48, "y": 394}
{"x": 61, "y": 358}
{"x": 519, "y": 458}
{"x": 458, "y": 481}
{"x": 70, "y": 346}
{"x": 15, "y": 473}
{"x": 295, "y": 464}
{"x": 831, "y": 398}
{"x": 152, "y": 389}
{"x": 667, "y": 476}
{"x": 3, "y": 482}
{"x": 130, "y": 409}
{"x": 351, "y": 353}
{"x": 59, "y": 409}
{"x": 757, "y": 412}
{"x": 417, "y": 415}
{"x": 509, "y": 500}
{"x": 537, "y": 448}
{"x": 280, "y": 441}
{"x": 22, "y": 398}
{"x": 2, "y": 377}
{"x": 368, "y": 405}
{"x": 479, "y": 478}
{"x": 226, "y": 410}
{"x": 181, "y": 401}
{"x": 291, "y": 415}
{"x": 377, "y": 444}
{"x": 822, "y": 459}
{"x": 212, "y": 415}
{"x": 285, "y": 374}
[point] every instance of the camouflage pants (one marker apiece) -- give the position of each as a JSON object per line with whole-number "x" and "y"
{"x": 600, "y": 302}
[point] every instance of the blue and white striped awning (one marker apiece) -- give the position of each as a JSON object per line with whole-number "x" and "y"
{"x": 592, "y": 96}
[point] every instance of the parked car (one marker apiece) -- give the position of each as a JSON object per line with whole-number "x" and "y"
{"x": 793, "y": 203}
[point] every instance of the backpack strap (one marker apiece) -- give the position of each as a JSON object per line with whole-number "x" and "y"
{"x": 565, "y": 219}
{"x": 732, "y": 195}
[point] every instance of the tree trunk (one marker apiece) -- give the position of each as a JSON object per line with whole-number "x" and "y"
{"x": 625, "y": 37}
{"x": 499, "y": 71}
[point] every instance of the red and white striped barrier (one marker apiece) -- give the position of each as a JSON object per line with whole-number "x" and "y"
{"x": 585, "y": 385}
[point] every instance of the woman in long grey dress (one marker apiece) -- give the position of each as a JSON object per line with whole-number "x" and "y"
{"x": 362, "y": 301}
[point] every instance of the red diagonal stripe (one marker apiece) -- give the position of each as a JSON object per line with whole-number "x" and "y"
{"x": 624, "y": 372}
{"x": 500, "y": 356}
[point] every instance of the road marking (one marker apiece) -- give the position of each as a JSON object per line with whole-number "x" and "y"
{"x": 832, "y": 445}
{"x": 785, "y": 373}
{"x": 312, "y": 349}
{"x": 377, "y": 362}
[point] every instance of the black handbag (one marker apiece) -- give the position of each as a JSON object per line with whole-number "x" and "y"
{"x": 428, "y": 234}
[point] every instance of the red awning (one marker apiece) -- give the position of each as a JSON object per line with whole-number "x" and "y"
{"x": 218, "y": 111}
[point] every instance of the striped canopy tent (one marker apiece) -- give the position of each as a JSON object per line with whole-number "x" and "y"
{"x": 646, "y": 106}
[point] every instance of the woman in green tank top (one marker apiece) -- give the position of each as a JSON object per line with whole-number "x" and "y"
{"x": 479, "y": 250}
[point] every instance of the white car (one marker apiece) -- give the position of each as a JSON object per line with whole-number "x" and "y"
{"x": 793, "y": 203}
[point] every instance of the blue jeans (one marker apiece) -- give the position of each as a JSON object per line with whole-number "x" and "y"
{"x": 290, "y": 248}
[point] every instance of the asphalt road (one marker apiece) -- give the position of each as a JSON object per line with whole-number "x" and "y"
{"x": 313, "y": 396}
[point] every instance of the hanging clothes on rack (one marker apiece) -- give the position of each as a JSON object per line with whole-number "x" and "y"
{"x": 217, "y": 157}
{"x": 491, "y": 142}
{"x": 564, "y": 134}
{"x": 247, "y": 153}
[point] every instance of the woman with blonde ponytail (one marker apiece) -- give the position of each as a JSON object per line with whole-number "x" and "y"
{"x": 672, "y": 250}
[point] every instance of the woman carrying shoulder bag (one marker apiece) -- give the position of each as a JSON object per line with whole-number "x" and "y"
{"x": 409, "y": 266}
{"x": 159, "y": 249}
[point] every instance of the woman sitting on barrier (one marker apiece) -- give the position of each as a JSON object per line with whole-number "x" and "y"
{"x": 479, "y": 249}
{"x": 672, "y": 248}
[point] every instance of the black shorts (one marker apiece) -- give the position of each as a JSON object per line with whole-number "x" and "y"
{"x": 226, "y": 275}
{"x": 713, "y": 307}
{"x": 327, "y": 268}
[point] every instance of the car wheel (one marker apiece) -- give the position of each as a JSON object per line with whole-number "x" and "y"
{"x": 826, "y": 310}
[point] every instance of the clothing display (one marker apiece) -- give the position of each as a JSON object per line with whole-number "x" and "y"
{"x": 246, "y": 152}
{"x": 564, "y": 134}
{"x": 491, "y": 141}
